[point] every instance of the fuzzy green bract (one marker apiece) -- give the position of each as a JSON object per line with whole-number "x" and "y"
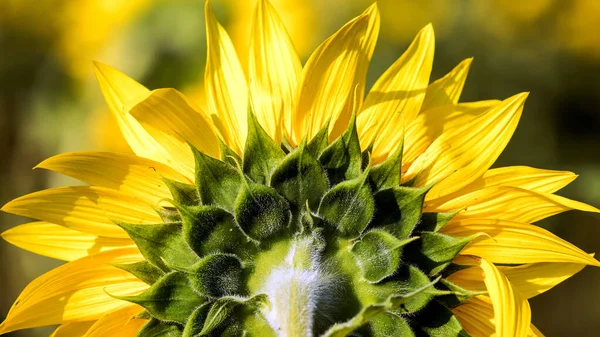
{"x": 312, "y": 241}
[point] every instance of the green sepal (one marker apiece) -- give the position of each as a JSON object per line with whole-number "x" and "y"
{"x": 435, "y": 251}
{"x": 437, "y": 321}
{"x": 143, "y": 270}
{"x": 156, "y": 328}
{"x": 411, "y": 278}
{"x": 342, "y": 159}
{"x": 183, "y": 194}
{"x": 218, "y": 182}
{"x": 388, "y": 173}
{"x": 160, "y": 242}
{"x": 261, "y": 153}
{"x": 399, "y": 209}
{"x": 433, "y": 222}
{"x": 261, "y": 212}
{"x": 228, "y": 155}
{"x": 224, "y": 307}
{"x": 217, "y": 275}
{"x": 457, "y": 294}
{"x": 348, "y": 206}
{"x": 170, "y": 299}
{"x": 300, "y": 177}
{"x": 143, "y": 315}
{"x": 390, "y": 325}
{"x": 319, "y": 142}
{"x": 377, "y": 254}
{"x": 371, "y": 311}
{"x": 209, "y": 229}
{"x": 194, "y": 325}
{"x": 168, "y": 214}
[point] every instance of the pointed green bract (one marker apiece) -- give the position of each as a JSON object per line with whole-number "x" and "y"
{"x": 261, "y": 153}
{"x": 217, "y": 275}
{"x": 183, "y": 194}
{"x": 228, "y": 155}
{"x": 437, "y": 321}
{"x": 390, "y": 325}
{"x": 217, "y": 182}
{"x": 319, "y": 142}
{"x": 433, "y": 222}
{"x": 342, "y": 159}
{"x": 435, "y": 251}
{"x": 456, "y": 294}
{"x": 387, "y": 174}
{"x": 143, "y": 270}
{"x": 399, "y": 209}
{"x": 156, "y": 328}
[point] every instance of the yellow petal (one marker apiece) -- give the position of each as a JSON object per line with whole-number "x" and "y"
{"x": 88, "y": 209}
{"x": 529, "y": 178}
{"x": 120, "y": 91}
{"x": 396, "y": 98}
{"x": 529, "y": 279}
{"x": 447, "y": 89}
{"x": 75, "y": 292}
{"x": 509, "y": 203}
{"x": 430, "y": 124}
{"x": 477, "y": 317}
{"x": 275, "y": 70}
{"x": 512, "y": 313}
{"x": 135, "y": 176}
{"x": 60, "y": 242}
{"x": 172, "y": 120}
{"x": 225, "y": 84}
{"x": 334, "y": 77}
{"x": 76, "y": 329}
{"x": 460, "y": 156}
{"x": 120, "y": 322}
{"x": 510, "y": 242}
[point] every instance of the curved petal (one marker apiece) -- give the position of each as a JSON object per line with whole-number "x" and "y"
{"x": 120, "y": 91}
{"x": 225, "y": 84}
{"x": 460, "y": 156}
{"x": 75, "y": 292}
{"x": 508, "y": 203}
{"x": 510, "y": 242}
{"x": 76, "y": 329}
{"x": 275, "y": 70}
{"x": 135, "y": 176}
{"x": 396, "y": 98}
{"x": 120, "y": 322}
{"x": 88, "y": 209}
{"x": 60, "y": 242}
{"x": 334, "y": 77}
{"x": 430, "y": 124}
{"x": 512, "y": 313}
{"x": 172, "y": 120}
{"x": 528, "y": 178}
{"x": 447, "y": 89}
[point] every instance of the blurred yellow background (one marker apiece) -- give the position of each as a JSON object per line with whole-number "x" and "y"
{"x": 50, "y": 103}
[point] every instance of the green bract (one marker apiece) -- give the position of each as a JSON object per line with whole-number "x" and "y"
{"x": 313, "y": 241}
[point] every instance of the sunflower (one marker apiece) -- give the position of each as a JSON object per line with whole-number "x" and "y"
{"x": 294, "y": 207}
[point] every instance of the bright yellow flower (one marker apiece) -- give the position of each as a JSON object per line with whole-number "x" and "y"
{"x": 315, "y": 111}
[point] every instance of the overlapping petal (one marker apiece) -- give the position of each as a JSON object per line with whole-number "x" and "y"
{"x": 76, "y": 329}
{"x": 120, "y": 322}
{"x": 60, "y": 242}
{"x": 274, "y": 76}
{"x": 334, "y": 77}
{"x": 88, "y": 209}
{"x": 225, "y": 84}
{"x": 135, "y": 176}
{"x": 75, "y": 292}
{"x": 447, "y": 89}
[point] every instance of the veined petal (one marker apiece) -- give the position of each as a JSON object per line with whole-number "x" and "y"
{"x": 75, "y": 292}
{"x": 119, "y": 91}
{"x": 60, "y": 242}
{"x": 512, "y": 242}
{"x": 529, "y": 279}
{"x": 225, "y": 84}
{"x": 477, "y": 317}
{"x": 447, "y": 89}
{"x": 508, "y": 203}
{"x": 460, "y": 156}
{"x": 396, "y": 98}
{"x": 334, "y": 76}
{"x": 275, "y": 70}
{"x": 76, "y": 329}
{"x": 135, "y": 176}
{"x": 529, "y": 178}
{"x": 88, "y": 209}
{"x": 512, "y": 314}
{"x": 430, "y": 124}
{"x": 172, "y": 120}
{"x": 120, "y": 322}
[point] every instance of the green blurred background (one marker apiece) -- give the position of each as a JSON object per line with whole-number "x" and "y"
{"x": 50, "y": 103}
